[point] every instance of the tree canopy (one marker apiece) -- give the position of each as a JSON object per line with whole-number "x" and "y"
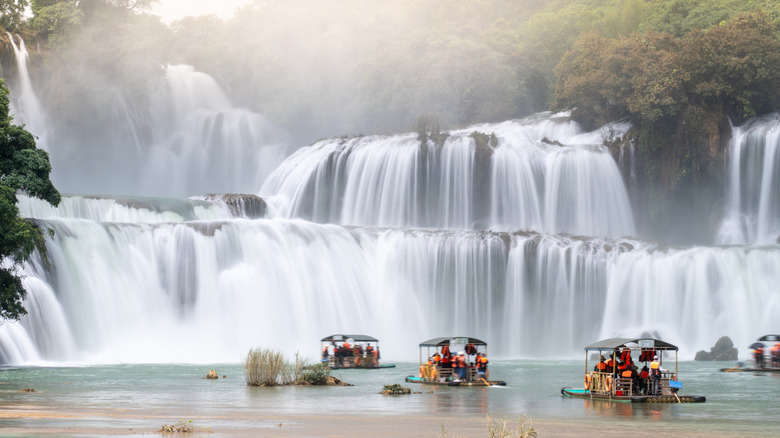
{"x": 25, "y": 168}
{"x": 732, "y": 67}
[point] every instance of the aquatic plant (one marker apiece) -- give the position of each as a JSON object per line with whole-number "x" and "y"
{"x": 395, "y": 389}
{"x": 265, "y": 367}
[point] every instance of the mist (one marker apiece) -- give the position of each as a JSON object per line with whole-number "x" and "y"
{"x": 297, "y": 72}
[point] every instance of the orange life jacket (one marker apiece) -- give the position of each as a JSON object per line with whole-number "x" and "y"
{"x": 644, "y": 374}
{"x": 627, "y": 373}
{"x": 601, "y": 366}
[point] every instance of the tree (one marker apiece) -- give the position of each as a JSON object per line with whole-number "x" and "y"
{"x": 11, "y": 13}
{"x": 25, "y": 168}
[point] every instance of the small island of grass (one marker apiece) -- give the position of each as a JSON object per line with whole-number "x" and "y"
{"x": 264, "y": 367}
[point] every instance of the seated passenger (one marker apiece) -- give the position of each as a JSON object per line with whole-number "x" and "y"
{"x": 601, "y": 366}
{"x": 644, "y": 376}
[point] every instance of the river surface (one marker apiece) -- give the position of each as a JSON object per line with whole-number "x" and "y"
{"x": 118, "y": 398}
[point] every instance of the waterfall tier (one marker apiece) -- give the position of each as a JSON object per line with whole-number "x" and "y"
{"x": 541, "y": 174}
{"x": 208, "y": 290}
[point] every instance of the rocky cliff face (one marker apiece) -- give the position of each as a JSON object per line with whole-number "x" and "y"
{"x": 674, "y": 174}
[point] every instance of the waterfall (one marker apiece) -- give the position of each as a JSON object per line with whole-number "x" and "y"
{"x": 542, "y": 174}
{"x": 193, "y": 289}
{"x": 188, "y": 140}
{"x": 753, "y": 198}
{"x": 28, "y": 110}
{"x": 200, "y": 143}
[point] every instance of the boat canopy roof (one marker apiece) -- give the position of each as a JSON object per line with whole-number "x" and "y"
{"x": 769, "y": 338}
{"x": 356, "y": 338}
{"x": 612, "y": 343}
{"x": 457, "y": 340}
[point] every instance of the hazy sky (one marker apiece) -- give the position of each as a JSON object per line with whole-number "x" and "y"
{"x": 171, "y": 10}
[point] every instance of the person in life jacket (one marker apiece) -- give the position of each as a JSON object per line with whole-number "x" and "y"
{"x": 776, "y": 355}
{"x": 644, "y": 375}
{"x": 482, "y": 362}
{"x": 758, "y": 356}
{"x": 655, "y": 375}
{"x": 460, "y": 360}
{"x": 601, "y": 366}
{"x": 370, "y": 355}
{"x": 610, "y": 365}
{"x": 446, "y": 357}
{"x": 630, "y": 373}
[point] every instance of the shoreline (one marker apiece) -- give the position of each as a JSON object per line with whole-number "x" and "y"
{"x": 29, "y": 421}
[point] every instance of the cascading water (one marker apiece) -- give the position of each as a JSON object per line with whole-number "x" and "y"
{"x": 133, "y": 279}
{"x": 527, "y": 180}
{"x": 753, "y": 211}
{"x": 206, "y": 290}
{"x": 201, "y": 144}
{"x": 188, "y": 140}
{"x": 27, "y": 108}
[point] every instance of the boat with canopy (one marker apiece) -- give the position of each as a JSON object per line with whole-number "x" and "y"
{"x": 351, "y": 351}
{"x": 766, "y": 357}
{"x": 616, "y": 375}
{"x": 454, "y": 361}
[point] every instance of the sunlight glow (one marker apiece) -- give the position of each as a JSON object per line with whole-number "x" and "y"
{"x": 172, "y": 10}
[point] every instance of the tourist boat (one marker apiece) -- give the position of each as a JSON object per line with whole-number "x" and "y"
{"x": 352, "y": 351}
{"x": 436, "y": 372}
{"x": 767, "y": 362}
{"x": 609, "y": 385}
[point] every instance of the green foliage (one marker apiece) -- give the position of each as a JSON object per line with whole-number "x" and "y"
{"x": 12, "y": 13}
{"x": 652, "y": 77}
{"x": 678, "y": 17}
{"x": 317, "y": 374}
{"x": 56, "y": 20}
{"x": 25, "y": 168}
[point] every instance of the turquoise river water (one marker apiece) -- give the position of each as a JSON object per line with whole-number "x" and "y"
{"x": 147, "y": 396}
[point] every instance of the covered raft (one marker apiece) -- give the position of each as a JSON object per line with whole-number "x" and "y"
{"x": 619, "y": 379}
{"x": 454, "y": 361}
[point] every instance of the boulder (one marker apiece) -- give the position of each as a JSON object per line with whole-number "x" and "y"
{"x": 723, "y": 350}
{"x": 212, "y": 375}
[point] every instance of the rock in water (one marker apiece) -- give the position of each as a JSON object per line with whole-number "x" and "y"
{"x": 212, "y": 375}
{"x": 723, "y": 350}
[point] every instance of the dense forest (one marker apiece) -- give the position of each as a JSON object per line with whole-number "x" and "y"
{"x": 681, "y": 70}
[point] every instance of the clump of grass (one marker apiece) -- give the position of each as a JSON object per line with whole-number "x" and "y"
{"x": 306, "y": 373}
{"x": 395, "y": 389}
{"x": 501, "y": 429}
{"x": 264, "y": 367}
{"x": 181, "y": 427}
